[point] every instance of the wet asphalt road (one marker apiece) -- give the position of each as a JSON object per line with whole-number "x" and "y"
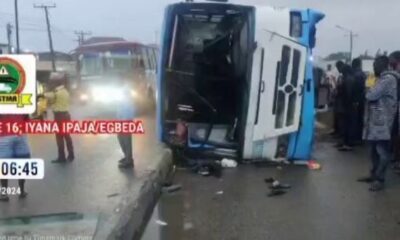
{"x": 92, "y": 182}
{"x": 322, "y": 205}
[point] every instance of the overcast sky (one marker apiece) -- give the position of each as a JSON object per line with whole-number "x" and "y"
{"x": 374, "y": 21}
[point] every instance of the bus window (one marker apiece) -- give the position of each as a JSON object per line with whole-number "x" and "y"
{"x": 146, "y": 59}
{"x": 150, "y": 55}
{"x": 294, "y": 83}
{"x": 279, "y": 91}
{"x": 117, "y": 62}
{"x": 153, "y": 58}
{"x": 155, "y": 54}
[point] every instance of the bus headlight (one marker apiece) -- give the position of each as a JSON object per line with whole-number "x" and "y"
{"x": 134, "y": 94}
{"x": 84, "y": 97}
{"x": 107, "y": 94}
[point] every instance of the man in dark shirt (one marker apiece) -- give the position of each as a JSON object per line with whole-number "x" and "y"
{"x": 349, "y": 104}
{"x": 394, "y": 62}
{"x": 359, "y": 99}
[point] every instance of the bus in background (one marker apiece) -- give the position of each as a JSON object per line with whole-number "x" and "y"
{"x": 100, "y": 65}
{"x": 236, "y": 81}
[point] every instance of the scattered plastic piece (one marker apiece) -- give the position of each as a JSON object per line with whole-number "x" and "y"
{"x": 280, "y": 186}
{"x": 275, "y": 183}
{"x": 187, "y": 226}
{"x": 228, "y": 163}
{"x": 204, "y": 171}
{"x": 313, "y": 165}
{"x": 172, "y": 188}
{"x": 219, "y": 192}
{"x": 161, "y": 223}
{"x": 279, "y": 167}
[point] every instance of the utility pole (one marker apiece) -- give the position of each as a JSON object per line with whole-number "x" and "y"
{"x": 81, "y": 36}
{"x": 352, "y": 35}
{"x": 46, "y": 11}
{"x": 17, "y": 25}
{"x": 351, "y": 44}
{"x": 9, "y": 33}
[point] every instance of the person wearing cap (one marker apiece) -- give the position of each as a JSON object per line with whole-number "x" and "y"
{"x": 59, "y": 98}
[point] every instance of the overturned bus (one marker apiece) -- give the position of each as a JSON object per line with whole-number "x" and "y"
{"x": 236, "y": 81}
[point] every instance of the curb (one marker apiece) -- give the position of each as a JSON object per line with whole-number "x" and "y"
{"x": 132, "y": 213}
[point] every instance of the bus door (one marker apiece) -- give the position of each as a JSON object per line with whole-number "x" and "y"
{"x": 280, "y": 91}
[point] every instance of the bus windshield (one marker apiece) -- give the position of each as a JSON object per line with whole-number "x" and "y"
{"x": 91, "y": 65}
{"x": 107, "y": 64}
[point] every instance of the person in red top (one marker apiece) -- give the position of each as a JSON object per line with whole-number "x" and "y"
{"x": 13, "y": 146}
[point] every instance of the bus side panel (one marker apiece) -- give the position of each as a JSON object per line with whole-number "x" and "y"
{"x": 163, "y": 57}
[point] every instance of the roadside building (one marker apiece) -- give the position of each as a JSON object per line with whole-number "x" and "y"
{"x": 4, "y": 48}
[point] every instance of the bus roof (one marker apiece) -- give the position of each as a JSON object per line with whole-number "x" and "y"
{"x": 110, "y": 46}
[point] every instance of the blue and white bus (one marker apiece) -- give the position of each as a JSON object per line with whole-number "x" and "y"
{"x": 239, "y": 78}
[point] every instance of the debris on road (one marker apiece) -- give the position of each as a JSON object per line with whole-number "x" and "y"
{"x": 228, "y": 163}
{"x": 171, "y": 188}
{"x": 274, "y": 193}
{"x": 277, "y": 188}
{"x": 276, "y": 185}
{"x": 219, "y": 192}
{"x": 187, "y": 226}
{"x": 313, "y": 165}
{"x": 161, "y": 223}
{"x": 204, "y": 171}
{"x": 269, "y": 180}
{"x": 113, "y": 195}
{"x": 209, "y": 169}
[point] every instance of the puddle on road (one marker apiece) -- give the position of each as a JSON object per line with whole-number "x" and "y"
{"x": 57, "y": 226}
{"x": 168, "y": 221}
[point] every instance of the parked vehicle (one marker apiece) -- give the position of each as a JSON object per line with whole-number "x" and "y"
{"x": 100, "y": 66}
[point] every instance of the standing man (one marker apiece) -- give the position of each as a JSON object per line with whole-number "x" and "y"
{"x": 359, "y": 98}
{"x": 126, "y": 111}
{"x": 381, "y": 109}
{"x": 59, "y": 99}
{"x": 13, "y": 146}
{"x": 338, "y": 102}
{"x": 349, "y": 106}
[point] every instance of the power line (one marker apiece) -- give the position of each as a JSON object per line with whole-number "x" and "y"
{"x": 81, "y": 36}
{"x": 352, "y": 36}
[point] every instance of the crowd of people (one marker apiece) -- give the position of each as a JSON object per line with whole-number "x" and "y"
{"x": 368, "y": 112}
